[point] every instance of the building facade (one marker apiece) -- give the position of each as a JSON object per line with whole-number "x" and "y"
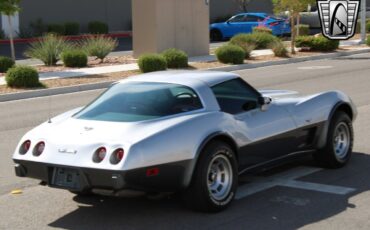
{"x": 116, "y": 13}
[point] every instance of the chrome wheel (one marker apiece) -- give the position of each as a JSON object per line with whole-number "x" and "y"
{"x": 220, "y": 177}
{"x": 341, "y": 141}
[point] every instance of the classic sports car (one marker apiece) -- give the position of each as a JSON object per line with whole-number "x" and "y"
{"x": 186, "y": 131}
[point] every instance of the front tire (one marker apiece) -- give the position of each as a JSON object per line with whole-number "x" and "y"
{"x": 339, "y": 143}
{"x": 214, "y": 180}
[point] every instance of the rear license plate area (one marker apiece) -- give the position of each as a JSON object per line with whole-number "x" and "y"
{"x": 66, "y": 178}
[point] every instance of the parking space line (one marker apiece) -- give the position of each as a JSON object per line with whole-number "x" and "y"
{"x": 339, "y": 190}
{"x": 288, "y": 179}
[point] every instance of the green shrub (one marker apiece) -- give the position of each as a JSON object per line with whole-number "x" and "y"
{"x": 99, "y": 46}
{"x": 38, "y": 27}
{"x": 25, "y": 33}
{"x": 279, "y": 49}
{"x": 5, "y": 64}
{"x": 230, "y": 54}
{"x": 245, "y": 42}
{"x": 72, "y": 28}
{"x": 260, "y": 40}
{"x": 96, "y": 27}
{"x": 2, "y": 34}
{"x": 303, "y": 29}
{"x": 74, "y": 58}
{"x": 152, "y": 62}
{"x": 175, "y": 58}
{"x": 22, "y": 76}
{"x": 368, "y": 26}
{"x": 304, "y": 41}
{"x": 57, "y": 29}
{"x": 262, "y": 29}
{"x": 48, "y": 49}
{"x": 368, "y": 40}
{"x": 319, "y": 43}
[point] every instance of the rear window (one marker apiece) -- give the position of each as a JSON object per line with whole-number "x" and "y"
{"x": 138, "y": 101}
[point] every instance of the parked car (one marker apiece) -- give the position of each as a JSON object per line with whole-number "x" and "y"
{"x": 187, "y": 131}
{"x": 245, "y": 22}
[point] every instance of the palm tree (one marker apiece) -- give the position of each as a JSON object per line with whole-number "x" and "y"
{"x": 10, "y": 8}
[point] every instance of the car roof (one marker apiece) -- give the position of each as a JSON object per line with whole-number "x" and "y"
{"x": 189, "y": 78}
{"x": 254, "y": 13}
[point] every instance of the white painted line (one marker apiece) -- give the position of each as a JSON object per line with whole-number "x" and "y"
{"x": 287, "y": 179}
{"x": 315, "y": 67}
{"x": 339, "y": 190}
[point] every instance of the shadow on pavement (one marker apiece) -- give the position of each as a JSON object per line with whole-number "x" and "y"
{"x": 275, "y": 208}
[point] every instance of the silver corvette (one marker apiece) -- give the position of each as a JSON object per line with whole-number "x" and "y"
{"x": 187, "y": 131}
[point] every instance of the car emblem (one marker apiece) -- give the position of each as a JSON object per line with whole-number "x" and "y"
{"x": 338, "y": 18}
{"x": 69, "y": 151}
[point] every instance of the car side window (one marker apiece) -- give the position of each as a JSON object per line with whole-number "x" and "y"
{"x": 252, "y": 18}
{"x": 238, "y": 18}
{"x": 235, "y": 96}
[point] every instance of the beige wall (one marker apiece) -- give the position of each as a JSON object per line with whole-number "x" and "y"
{"x": 163, "y": 24}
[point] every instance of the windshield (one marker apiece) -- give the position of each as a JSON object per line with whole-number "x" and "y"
{"x": 138, "y": 101}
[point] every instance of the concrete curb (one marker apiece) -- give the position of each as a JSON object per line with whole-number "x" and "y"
{"x": 53, "y": 91}
{"x": 290, "y": 61}
{"x": 102, "y": 85}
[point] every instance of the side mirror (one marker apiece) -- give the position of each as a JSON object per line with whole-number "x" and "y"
{"x": 264, "y": 102}
{"x": 249, "y": 105}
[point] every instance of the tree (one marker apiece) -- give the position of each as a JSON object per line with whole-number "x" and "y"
{"x": 10, "y": 8}
{"x": 294, "y": 7}
{"x": 243, "y": 4}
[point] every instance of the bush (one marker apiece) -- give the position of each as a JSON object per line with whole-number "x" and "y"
{"x": 5, "y": 64}
{"x": 368, "y": 40}
{"x": 57, "y": 29}
{"x": 260, "y": 40}
{"x": 72, "y": 28}
{"x": 262, "y": 29}
{"x": 303, "y": 29}
{"x": 279, "y": 49}
{"x": 2, "y": 34}
{"x": 368, "y": 26}
{"x": 152, "y": 62}
{"x": 304, "y": 41}
{"x": 175, "y": 58}
{"x": 22, "y": 76}
{"x": 48, "y": 49}
{"x": 230, "y": 54}
{"x": 99, "y": 46}
{"x": 96, "y": 27}
{"x": 25, "y": 33}
{"x": 74, "y": 58}
{"x": 38, "y": 27}
{"x": 245, "y": 42}
{"x": 319, "y": 43}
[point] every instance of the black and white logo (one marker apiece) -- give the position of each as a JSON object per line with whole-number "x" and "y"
{"x": 338, "y": 18}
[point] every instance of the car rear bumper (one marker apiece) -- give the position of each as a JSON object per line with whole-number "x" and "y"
{"x": 158, "y": 178}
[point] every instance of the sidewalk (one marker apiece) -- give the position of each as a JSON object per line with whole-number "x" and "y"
{"x": 130, "y": 67}
{"x": 120, "y": 68}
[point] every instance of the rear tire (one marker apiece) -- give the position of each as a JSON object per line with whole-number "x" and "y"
{"x": 216, "y": 35}
{"x": 214, "y": 180}
{"x": 339, "y": 143}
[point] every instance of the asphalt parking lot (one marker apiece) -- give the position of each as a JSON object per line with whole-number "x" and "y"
{"x": 296, "y": 195}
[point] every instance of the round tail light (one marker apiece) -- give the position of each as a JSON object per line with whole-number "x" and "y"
{"x": 25, "y": 147}
{"x": 117, "y": 156}
{"x": 99, "y": 154}
{"x": 39, "y": 148}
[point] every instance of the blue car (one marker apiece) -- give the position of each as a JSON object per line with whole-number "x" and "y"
{"x": 245, "y": 22}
